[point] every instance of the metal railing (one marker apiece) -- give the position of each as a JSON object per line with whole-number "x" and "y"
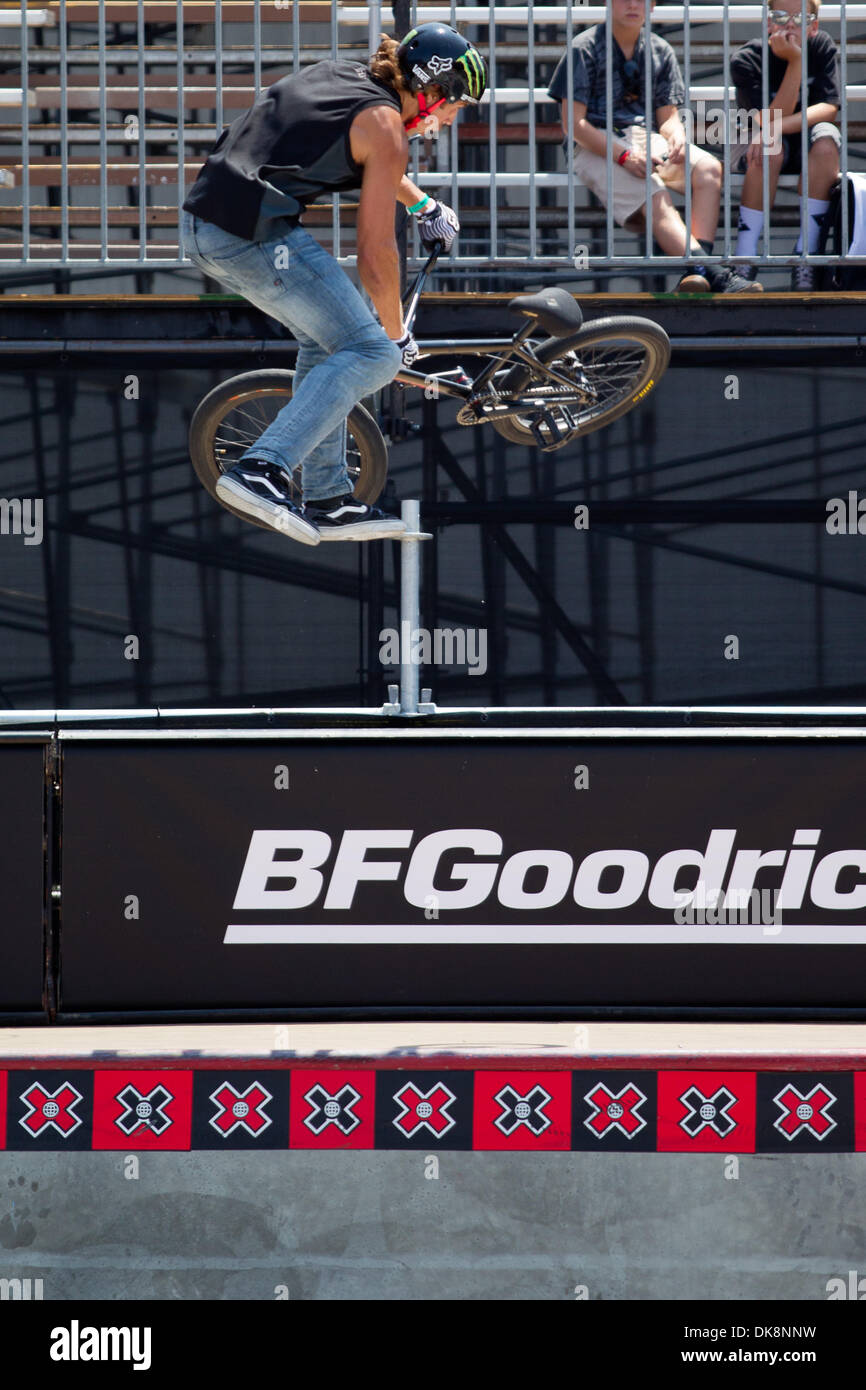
{"x": 73, "y": 135}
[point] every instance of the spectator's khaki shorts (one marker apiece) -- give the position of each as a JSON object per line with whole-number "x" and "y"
{"x": 791, "y": 150}
{"x": 629, "y": 193}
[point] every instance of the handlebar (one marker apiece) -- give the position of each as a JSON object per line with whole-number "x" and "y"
{"x": 413, "y": 293}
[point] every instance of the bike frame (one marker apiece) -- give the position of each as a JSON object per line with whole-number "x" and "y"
{"x": 501, "y": 350}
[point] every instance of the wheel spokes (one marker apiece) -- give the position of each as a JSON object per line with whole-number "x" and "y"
{"x": 610, "y": 370}
{"x": 239, "y": 429}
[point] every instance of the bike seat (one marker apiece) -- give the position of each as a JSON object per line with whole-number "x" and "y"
{"x": 556, "y": 310}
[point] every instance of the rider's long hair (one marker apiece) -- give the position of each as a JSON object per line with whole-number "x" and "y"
{"x": 384, "y": 66}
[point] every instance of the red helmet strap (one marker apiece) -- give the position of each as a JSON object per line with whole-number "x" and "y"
{"x": 424, "y": 111}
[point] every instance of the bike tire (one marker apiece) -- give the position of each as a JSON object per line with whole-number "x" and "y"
{"x": 366, "y": 451}
{"x": 646, "y": 335}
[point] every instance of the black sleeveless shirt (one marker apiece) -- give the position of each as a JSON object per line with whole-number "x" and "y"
{"x": 288, "y": 149}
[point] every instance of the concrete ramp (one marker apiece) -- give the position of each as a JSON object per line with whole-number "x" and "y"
{"x": 431, "y": 1161}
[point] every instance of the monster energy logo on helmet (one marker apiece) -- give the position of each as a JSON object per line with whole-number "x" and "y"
{"x": 434, "y": 55}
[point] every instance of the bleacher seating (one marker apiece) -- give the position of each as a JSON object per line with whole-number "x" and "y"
{"x": 97, "y": 118}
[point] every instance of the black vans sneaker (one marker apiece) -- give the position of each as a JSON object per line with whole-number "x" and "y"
{"x": 261, "y": 490}
{"x": 345, "y": 519}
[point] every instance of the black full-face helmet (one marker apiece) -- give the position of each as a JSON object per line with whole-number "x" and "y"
{"x": 436, "y": 55}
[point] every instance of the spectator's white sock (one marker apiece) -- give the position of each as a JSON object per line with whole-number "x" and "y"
{"x": 815, "y": 209}
{"x": 750, "y": 228}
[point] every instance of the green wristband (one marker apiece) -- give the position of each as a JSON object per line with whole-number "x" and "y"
{"x": 416, "y": 207}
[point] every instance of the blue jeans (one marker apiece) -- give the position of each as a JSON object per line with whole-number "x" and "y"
{"x": 343, "y": 353}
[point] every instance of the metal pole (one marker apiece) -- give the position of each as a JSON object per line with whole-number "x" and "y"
{"x": 410, "y": 606}
{"x": 374, "y": 25}
{"x": 843, "y": 88}
{"x": 726, "y": 164}
{"x": 181, "y": 137}
{"x": 491, "y": 134}
{"x": 64, "y": 139}
{"x": 805, "y": 19}
{"x": 608, "y": 127}
{"x": 103, "y": 140}
{"x": 142, "y": 141}
{"x": 767, "y": 127}
{"x": 690, "y": 129}
{"x": 24, "y": 39}
{"x": 648, "y": 115}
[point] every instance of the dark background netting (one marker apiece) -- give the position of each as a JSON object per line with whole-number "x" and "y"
{"x": 227, "y": 614}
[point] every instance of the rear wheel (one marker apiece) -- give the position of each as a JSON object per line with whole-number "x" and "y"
{"x": 617, "y": 361}
{"x": 234, "y": 414}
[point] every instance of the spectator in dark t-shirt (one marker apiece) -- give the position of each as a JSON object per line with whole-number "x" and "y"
{"x": 623, "y": 160}
{"x": 784, "y": 73}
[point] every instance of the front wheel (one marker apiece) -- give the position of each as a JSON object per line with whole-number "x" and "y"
{"x": 232, "y": 416}
{"x": 614, "y": 364}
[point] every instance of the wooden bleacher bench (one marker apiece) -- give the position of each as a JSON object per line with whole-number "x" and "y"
{"x": 238, "y": 90}
{"x": 194, "y": 11}
{"x": 318, "y": 216}
{"x": 46, "y": 170}
{"x": 198, "y": 134}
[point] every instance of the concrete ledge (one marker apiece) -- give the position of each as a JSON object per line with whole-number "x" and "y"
{"x": 764, "y": 1046}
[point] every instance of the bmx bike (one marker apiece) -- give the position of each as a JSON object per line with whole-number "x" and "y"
{"x": 544, "y": 392}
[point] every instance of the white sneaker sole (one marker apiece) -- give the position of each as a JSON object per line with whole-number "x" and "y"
{"x": 364, "y": 531}
{"x": 271, "y": 513}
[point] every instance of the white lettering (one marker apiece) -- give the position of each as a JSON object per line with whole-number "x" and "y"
{"x": 587, "y": 890}
{"x": 352, "y": 868}
{"x": 253, "y": 894}
{"x": 558, "y": 867}
{"x": 711, "y": 867}
{"x": 826, "y": 876}
{"x": 477, "y": 879}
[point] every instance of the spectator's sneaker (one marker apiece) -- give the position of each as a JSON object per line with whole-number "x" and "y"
{"x": 261, "y": 490}
{"x": 345, "y": 519}
{"x": 690, "y": 282}
{"x": 736, "y": 284}
{"x": 803, "y": 277}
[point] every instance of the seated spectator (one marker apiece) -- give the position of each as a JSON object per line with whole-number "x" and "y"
{"x": 628, "y": 146}
{"x": 785, "y": 61}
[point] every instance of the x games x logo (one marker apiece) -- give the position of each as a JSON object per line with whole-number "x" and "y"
{"x": 522, "y": 1110}
{"x": 144, "y": 1112}
{"x": 809, "y": 1112}
{"x": 424, "y": 1109}
{"x": 709, "y": 1111}
{"x": 244, "y": 1109}
{"x": 615, "y": 1111}
{"x": 51, "y": 1108}
{"x": 327, "y": 1109}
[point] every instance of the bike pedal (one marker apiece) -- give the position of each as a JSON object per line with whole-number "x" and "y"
{"x": 564, "y": 428}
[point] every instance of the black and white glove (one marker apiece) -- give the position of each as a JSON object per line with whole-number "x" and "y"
{"x": 439, "y": 223}
{"x": 409, "y": 349}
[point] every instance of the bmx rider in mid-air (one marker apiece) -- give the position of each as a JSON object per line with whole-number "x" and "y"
{"x": 332, "y": 126}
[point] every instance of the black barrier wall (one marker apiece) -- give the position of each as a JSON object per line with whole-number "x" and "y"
{"x": 24, "y": 766}
{"x": 506, "y": 872}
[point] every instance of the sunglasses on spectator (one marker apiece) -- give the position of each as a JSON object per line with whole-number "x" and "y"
{"x": 631, "y": 70}
{"x": 782, "y": 17}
